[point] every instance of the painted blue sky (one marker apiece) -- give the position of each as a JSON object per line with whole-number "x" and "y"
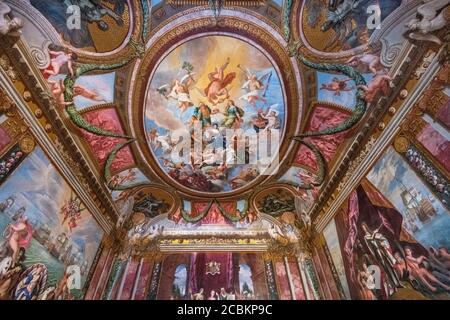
{"x": 37, "y": 186}
{"x": 391, "y": 175}
{"x": 331, "y": 237}
{"x": 241, "y": 204}
{"x": 346, "y": 99}
{"x": 180, "y": 278}
{"x": 245, "y": 275}
{"x": 103, "y": 84}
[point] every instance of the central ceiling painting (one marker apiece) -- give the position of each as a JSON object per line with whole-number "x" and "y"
{"x": 231, "y": 91}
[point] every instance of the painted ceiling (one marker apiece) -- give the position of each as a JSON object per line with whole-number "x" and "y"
{"x": 134, "y": 78}
{"x": 286, "y": 136}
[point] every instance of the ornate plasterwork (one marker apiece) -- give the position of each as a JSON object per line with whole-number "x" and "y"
{"x": 14, "y": 124}
{"x": 425, "y": 64}
{"x": 163, "y": 235}
{"x": 272, "y": 249}
{"x": 35, "y": 21}
{"x": 7, "y": 67}
{"x": 354, "y": 164}
{"x": 270, "y": 16}
{"x": 245, "y": 3}
{"x": 214, "y": 244}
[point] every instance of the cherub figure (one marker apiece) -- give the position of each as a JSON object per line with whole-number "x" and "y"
{"x": 159, "y": 141}
{"x": 337, "y": 86}
{"x": 79, "y": 90}
{"x": 366, "y": 62}
{"x": 179, "y": 91}
{"x": 272, "y": 118}
{"x": 254, "y": 86}
{"x": 119, "y": 180}
{"x": 59, "y": 59}
{"x": 57, "y": 89}
{"x": 381, "y": 83}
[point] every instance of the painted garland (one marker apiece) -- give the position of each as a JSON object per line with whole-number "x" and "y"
{"x": 69, "y": 83}
{"x": 361, "y": 104}
{"x": 197, "y": 218}
{"x": 146, "y": 26}
{"x": 355, "y": 117}
{"x": 321, "y": 174}
{"x": 287, "y": 19}
{"x": 222, "y": 211}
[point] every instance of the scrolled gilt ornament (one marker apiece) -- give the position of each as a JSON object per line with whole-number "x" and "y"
{"x": 425, "y": 64}
{"x": 5, "y": 64}
{"x": 278, "y": 251}
{"x": 27, "y": 144}
{"x": 142, "y": 236}
{"x": 6, "y": 105}
{"x": 355, "y": 163}
{"x": 401, "y": 144}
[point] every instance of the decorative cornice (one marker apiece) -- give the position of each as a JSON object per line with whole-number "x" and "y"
{"x": 214, "y": 244}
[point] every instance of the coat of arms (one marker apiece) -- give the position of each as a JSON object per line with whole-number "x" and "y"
{"x": 213, "y": 268}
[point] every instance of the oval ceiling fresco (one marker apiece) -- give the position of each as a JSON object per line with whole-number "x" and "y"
{"x": 229, "y": 89}
{"x": 340, "y": 25}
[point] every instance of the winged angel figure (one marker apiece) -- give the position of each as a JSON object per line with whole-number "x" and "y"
{"x": 254, "y": 86}
{"x": 179, "y": 89}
